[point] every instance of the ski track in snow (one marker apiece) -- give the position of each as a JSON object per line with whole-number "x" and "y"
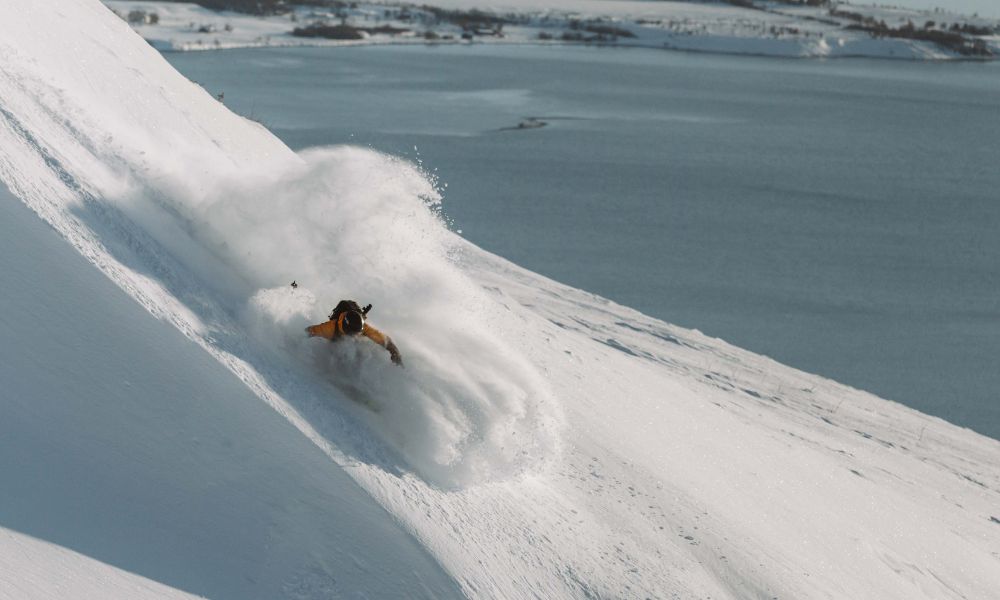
{"x": 544, "y": 442}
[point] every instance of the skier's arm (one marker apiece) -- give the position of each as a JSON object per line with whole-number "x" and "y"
{"x": 324, "y": 330}
{"x": 385, "y": 341}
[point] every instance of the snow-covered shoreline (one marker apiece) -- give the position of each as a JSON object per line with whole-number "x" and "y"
{"x": 772, "y": 29}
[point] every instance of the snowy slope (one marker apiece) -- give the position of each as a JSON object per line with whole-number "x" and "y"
{"x": 542, "y": 442}
{"x": 131, "y": 461}
{"x": 31, "y": 568}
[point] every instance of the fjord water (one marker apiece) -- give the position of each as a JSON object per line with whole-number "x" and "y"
{"x": 839, "y": 216}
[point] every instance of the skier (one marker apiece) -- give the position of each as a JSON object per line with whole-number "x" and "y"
{"x": 348, "y": 319}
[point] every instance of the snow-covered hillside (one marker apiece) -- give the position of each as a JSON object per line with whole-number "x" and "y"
{"x": 167, "y": 430}
{"x": 133, "y": 461}
{"x": 767, "y": 28}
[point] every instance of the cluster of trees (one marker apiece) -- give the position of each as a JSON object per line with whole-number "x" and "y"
{"x": 610, "y": 31}
{"x": 576, "y": 36}
{"x": 779, "y": 31}
{"x": 860, "y": 18}
{"x": 952, "y": 39}
{"x": 343, "y": 31}
{"x": 331, "y": 32}
{"x": 265, "y": 7}
{"x": 869, "y": 21}
{"x": 969, "y": 28}
{"x": 749, "y": 4}
{"x": 139, "y": 17}
{"x": 966, "y": 28}
{"x": 471, "y": 20}
{"x": 603, "y": 33}
{"x": 143, "y": 17}
{"x": 252, "y": 7}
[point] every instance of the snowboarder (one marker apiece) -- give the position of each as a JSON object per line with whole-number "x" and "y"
{"x": 348, "y": 319}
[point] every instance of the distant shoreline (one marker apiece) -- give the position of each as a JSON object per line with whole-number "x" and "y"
{"x": 561, "y": 44}
{"x": 770, "y": 29}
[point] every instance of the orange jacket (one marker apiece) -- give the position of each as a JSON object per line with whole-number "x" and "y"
{"x": 334, "y": 330}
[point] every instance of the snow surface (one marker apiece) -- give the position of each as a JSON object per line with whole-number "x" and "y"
{"x": 781, "y": 30}
{"x": 124, "y": 442}
{"x": 31, "y": 568}
{"x": 543, "y": 442}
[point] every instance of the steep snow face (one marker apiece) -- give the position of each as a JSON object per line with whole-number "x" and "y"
{"x": 32, "y": 568}
{"x": 542, "y": 442}
{"x": 142, "y": 463}
{"x": 345, "y": 223}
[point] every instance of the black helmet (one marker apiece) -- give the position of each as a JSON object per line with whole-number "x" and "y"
{"x": 352, "y": 322}
{"x": 346, "y": 305}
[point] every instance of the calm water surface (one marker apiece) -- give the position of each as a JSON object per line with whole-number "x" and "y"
{"x": 839, "y": 216}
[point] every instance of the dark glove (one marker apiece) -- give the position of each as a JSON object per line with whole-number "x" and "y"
{"x": 394, "y": 353}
